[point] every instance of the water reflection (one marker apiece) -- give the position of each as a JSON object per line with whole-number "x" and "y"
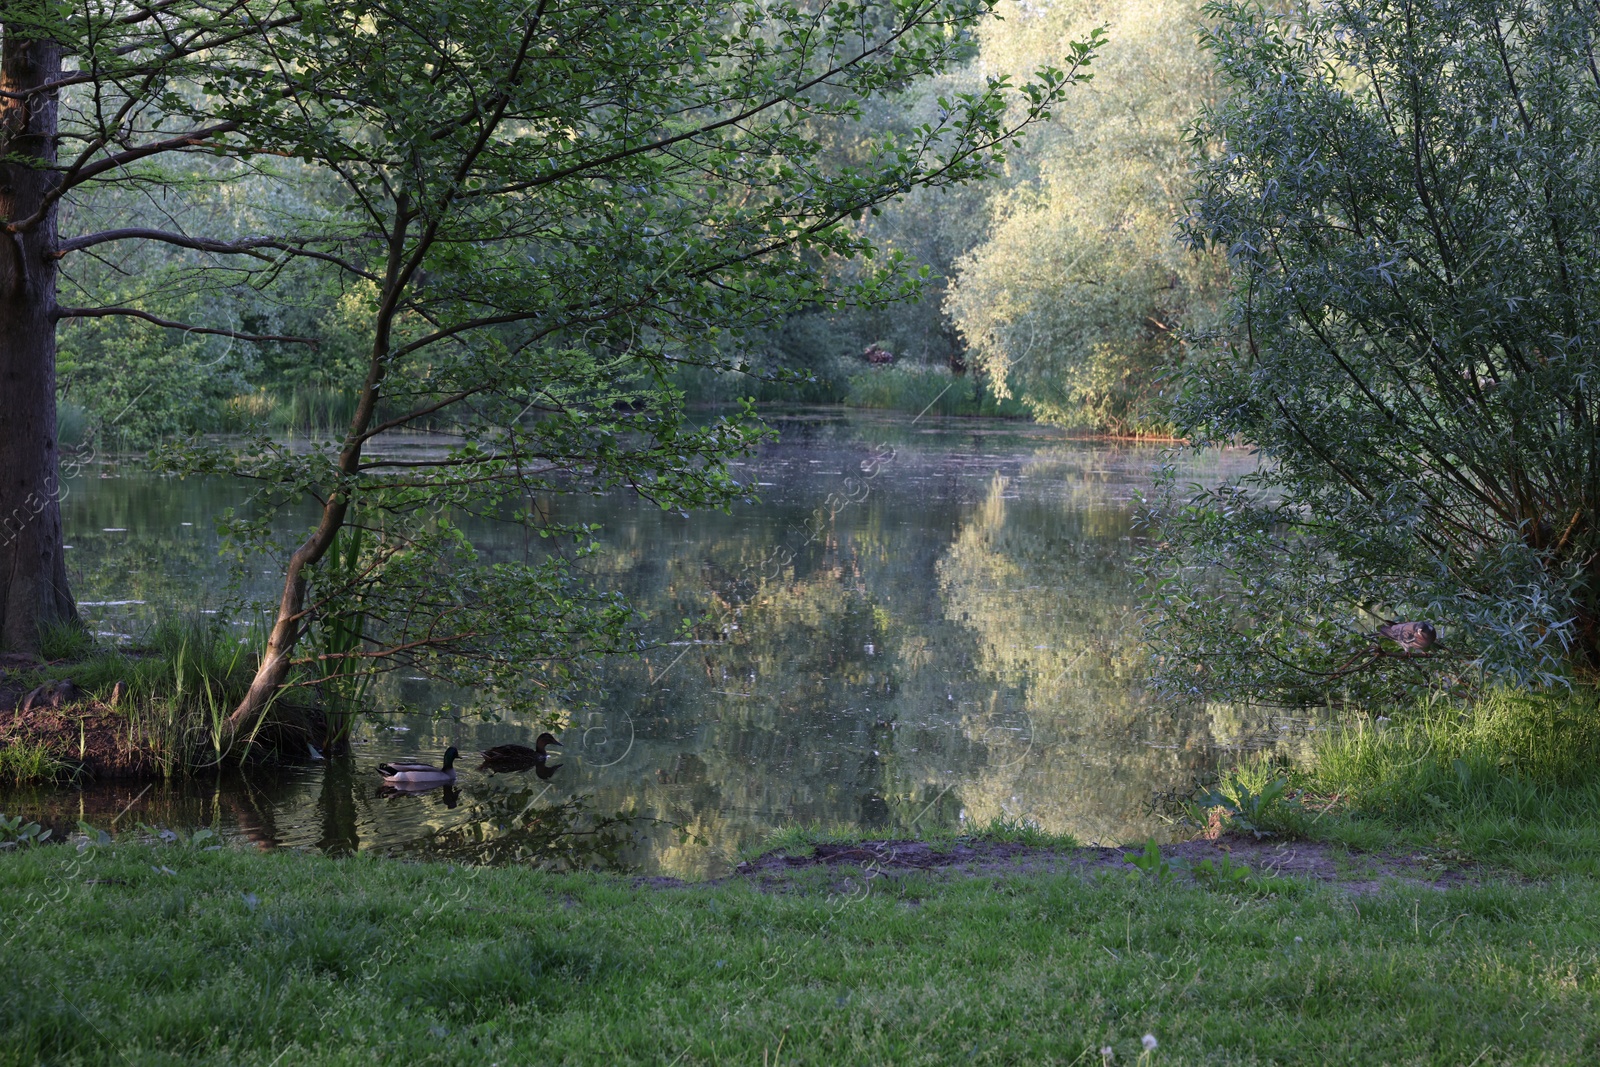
{"x": 336, "y": 809}
{"x": 524, "y": 827}
{"x": 342, "y": 807}
{"x": 922, "y": 623}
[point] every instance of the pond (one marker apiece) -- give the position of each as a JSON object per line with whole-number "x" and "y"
{"x": 928, "y": 623}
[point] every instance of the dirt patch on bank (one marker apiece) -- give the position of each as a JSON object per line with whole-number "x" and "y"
{"x": 107, "y": 734}
{"x": 1355, "y": 873}
{"x": 88, "y": 739}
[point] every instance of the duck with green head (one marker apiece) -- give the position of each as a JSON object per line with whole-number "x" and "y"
{"x": 404, "y": 772}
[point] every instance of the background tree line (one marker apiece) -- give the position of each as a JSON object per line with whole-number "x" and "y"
{"x": 1054, "y": 290}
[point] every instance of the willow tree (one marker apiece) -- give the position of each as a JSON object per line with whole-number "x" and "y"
{"x": 543, "y": 209}
{"x": 1409, "y": 196}
{"x": 1078, "y": 296}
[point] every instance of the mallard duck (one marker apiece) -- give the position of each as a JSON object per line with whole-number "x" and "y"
{"x": 1411, "y": 636}
{"x": 402, "y": 772}
{"x": 518, "y": 757}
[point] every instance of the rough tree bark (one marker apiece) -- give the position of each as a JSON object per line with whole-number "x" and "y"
{"x": 33, "y": 573}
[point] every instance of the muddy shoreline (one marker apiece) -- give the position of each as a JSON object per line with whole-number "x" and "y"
{"x": 88, "y": 737}
{"x": 852, "y": 868}
{"x": 87, "y": 740}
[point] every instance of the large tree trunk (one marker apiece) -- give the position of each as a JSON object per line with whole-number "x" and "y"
{"x": 33, "y": 572}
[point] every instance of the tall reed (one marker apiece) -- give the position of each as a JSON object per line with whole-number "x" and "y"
{"x": 337, "y": 639}
{"x": 180, "y": 694}
{"x": 316, "y": 411}
{"x": 22, "y": 762}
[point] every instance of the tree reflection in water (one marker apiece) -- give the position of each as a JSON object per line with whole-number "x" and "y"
{"x": 922, "y": 624}
{"x": 527, "y": 828}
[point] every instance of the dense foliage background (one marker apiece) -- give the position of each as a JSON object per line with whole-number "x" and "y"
{"x": 1385, "y": 287}
{"x": 1054, "y": 290}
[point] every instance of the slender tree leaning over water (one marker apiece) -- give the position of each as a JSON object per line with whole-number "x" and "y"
{"x": 1408, "y": 194}
{"x": 542, "y": 210}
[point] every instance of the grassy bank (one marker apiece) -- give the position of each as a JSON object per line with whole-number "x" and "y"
{"x": 156, "y": 708}
{"x": 137, "y": 954}
{"x": 932, "y": 390}
{"x": 915, "y": 389}
{"x": 1510, "y": 779}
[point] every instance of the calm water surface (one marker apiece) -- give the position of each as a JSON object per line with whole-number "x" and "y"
{"x": 923, "y": 624}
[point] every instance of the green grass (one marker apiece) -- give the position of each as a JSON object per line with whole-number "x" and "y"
{"x": 1511, "y": 779}
{"x": 1019, "y": 832}
{"x": 138, "y": 955}
{"x": 65, "y": 641}
{"x": 177, "y": 657}
{"x": 22, "y": 762}
{"x": 181, "y": 679}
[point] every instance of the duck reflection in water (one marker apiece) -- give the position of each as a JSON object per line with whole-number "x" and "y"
{"x": 447, "y": 791}
{"x": 528, "y": 827}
